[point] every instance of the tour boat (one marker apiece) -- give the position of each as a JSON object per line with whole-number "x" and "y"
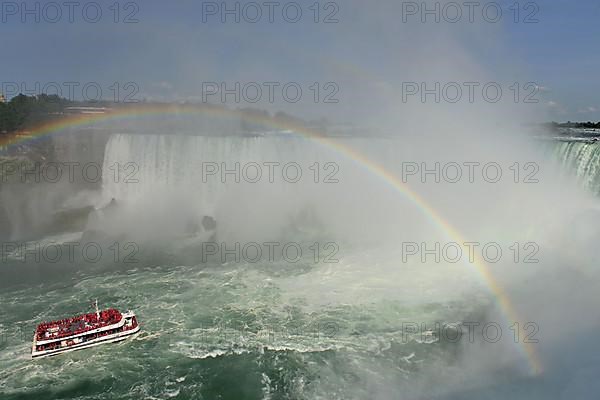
{"x": 83, "y": 331}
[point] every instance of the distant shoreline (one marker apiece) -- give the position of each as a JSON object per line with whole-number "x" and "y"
{"x": 24, "y": 112}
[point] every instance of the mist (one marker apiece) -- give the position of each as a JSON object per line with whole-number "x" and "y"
{"x": 431, "y": 170}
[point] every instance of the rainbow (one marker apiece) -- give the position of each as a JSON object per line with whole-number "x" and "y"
{"x": 135, "y": 111}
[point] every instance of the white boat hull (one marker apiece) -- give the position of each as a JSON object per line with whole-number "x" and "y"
{"x": 116, "y": 337}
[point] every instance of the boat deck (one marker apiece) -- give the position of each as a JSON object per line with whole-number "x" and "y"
{"x": 76, "y": 325}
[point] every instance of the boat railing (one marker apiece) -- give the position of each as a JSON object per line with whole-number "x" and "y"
{"x": 108, "y": 317}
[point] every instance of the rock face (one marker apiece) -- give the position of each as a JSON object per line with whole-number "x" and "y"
{"x": 5, "y": 224}
{"x": 209, "y": 223}
{"x": 35, "y": 203}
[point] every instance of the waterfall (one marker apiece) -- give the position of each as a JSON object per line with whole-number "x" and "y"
{"x": 245, "y": 183}
{"x": 136, "y": 166}
{"x": 581, "y": 158}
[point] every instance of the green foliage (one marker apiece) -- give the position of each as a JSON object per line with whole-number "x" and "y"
{"x": 584, "y": 125}
{"x": 22, "y": 111}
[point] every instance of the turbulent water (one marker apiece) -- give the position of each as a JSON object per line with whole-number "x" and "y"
{"x": 272, "y": 329}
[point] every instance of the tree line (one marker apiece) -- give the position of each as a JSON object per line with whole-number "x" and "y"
{"x": 23, "y": 111}
{"x": 580, "y": 125}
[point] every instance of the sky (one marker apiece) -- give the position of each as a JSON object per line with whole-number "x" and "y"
{"x": 352, "y": 61}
